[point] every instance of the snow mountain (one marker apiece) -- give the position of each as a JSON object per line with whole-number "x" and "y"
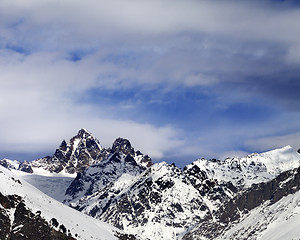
{"x": 75, "y": 156}
{"x": 257, "y": 212}
{"x": 235, "y": 198}
{"x": 80, "y": 152}
{"x": 254, "y": 168}
{"x": 69, "y": 158}
{"x": 113, "y": 163}
{"x": 154, "y": 204}
{"x": 165, "y": 202}
{"x": 53, "y": 175}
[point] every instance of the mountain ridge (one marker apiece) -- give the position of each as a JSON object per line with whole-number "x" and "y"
{"x": 207, "y": 199}
{"x": 145, "y": 193}
{"x": 74, "y": 157}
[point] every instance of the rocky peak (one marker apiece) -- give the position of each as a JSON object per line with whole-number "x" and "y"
{"x": 63, "y": 145}
{"x": 83, "y": 133}
{"x": 110, "y": 165}
{"x": 73, "y": 157}
{"x": 84, "y": 141}
{"x": 82, "y": 151}
{"x": 25, "y": 167}
{"x": 122, "y": 145}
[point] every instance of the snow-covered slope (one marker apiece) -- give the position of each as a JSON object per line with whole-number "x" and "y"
{"x": 269, "y": 221}
{"x": 97, "y": 176}
{"x": 273, "y": 205}
{"x": 78, "y": 224}
{"x": 52, "y": 184}
{"x": 254, "y": 212}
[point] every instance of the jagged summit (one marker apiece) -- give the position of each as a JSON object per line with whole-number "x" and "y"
{"x": 78, "y": 154}
{"x": 72, "y": 157}
{"x": 112, "y": 163}
{"x": 63, "y": 145}
{"x": 122, "y": 145}
{"x": 83, "y": 133}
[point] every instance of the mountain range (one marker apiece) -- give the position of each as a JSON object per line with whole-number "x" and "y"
{"x": 126, "y": 196}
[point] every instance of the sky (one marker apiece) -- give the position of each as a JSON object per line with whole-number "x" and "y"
{"x": 180, "y": 79}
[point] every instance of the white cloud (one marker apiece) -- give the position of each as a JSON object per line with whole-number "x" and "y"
{"x": 166, "y": 32}
{"x": 200, "y": 79}
{"x": 293, "y": 55}
{"x": 45, "y": 130}
{"x": 40, "y": 102}
{"x": 88, "y": 19}
{"x": 164, "y": 42}
{"x": 272, "y": 142}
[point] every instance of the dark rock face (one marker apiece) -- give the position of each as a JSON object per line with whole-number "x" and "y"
{"x": 123, "y": 236}
{"x": 25, "y": 224}
{"x": 123, "y": 146}
{"x": 4, "y": 163}
{"x": 25, "y": 167}
{"x": 5, "y": 225}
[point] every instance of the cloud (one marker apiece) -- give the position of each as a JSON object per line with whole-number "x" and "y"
{"x": 190, "y": 43}
{"x": 41, "y": 104}
{"x": 255, "y": 20}
{"x": 278, "y": 141}
{"x": 293, "y": 55}
{"x": 44, "y": 133}
{"x": 57, "y": 57}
